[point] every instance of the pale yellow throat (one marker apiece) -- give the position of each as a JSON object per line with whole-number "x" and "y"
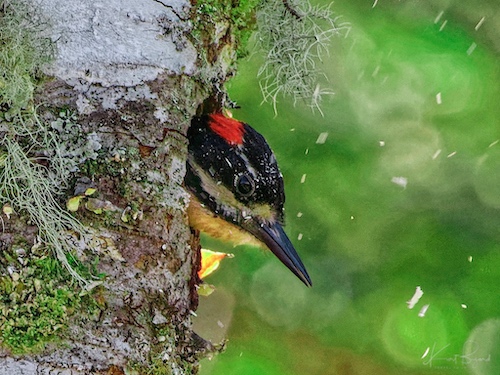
{"x": 204, "y": 220}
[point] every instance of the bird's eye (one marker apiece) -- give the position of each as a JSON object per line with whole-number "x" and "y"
{"x": 245, "y": 185}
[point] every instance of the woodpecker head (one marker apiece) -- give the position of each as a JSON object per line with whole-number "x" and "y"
{"x": 237, "y": 188}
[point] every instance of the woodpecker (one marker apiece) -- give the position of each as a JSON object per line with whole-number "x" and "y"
{"x": 236, "y": 187}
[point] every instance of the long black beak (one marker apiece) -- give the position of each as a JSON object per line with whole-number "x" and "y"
{"x": 275, "y": 238}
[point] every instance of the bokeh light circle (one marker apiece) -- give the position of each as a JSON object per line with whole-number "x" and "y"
{"x": 487, "y": 178}
{"x": 406, "y": 336}
{"x": 482, "y": 350}
{"x": 279, "y": 299}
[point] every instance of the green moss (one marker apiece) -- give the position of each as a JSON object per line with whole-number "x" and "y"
{"x": 161, "y": 360}
{"x": 90, "y": 167}
{"x": 38, "y": 296}
{"x": 158, "y": 367}
{"x": 102, "y": 165}
{"x": 238, "y": 15}
{"x": 243, "y": 19}
{"x": 22, "y": 53}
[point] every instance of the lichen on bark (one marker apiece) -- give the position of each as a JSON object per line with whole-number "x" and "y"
{"x": 115, "y": 101}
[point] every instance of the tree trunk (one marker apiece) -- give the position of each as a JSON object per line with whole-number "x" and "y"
{"x": 126, "y": 79}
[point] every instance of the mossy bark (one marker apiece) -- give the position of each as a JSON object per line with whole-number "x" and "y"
{"x": 130, "y": 78}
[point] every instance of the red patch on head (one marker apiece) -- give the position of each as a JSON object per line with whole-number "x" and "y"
{"x": 230, "y": 129}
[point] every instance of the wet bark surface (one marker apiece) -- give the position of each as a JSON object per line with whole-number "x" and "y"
{"x": 127, "y": 75}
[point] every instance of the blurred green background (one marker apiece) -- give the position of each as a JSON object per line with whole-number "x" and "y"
{"x": 417, "y": 96}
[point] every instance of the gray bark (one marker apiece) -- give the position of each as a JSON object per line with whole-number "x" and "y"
{"x": 131, "y": 73}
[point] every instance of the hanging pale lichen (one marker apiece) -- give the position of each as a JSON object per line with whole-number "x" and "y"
{"x": 33, "y": 171}
{"x": 294, "y": 36}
